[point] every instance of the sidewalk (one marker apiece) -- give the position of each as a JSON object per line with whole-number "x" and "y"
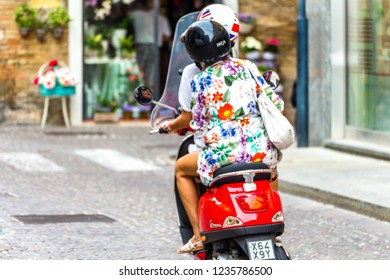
{"x": 354, "y": 182}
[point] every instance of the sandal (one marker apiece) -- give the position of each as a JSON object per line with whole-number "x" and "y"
{"x": 191, "y": 247}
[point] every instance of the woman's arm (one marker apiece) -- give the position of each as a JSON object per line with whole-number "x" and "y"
{"x": 181, "y": 122}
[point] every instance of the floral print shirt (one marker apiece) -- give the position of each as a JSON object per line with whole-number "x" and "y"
{"x": 225, "y": 113}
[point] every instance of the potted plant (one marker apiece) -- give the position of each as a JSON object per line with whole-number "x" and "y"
{"x": 55, "y": 78}
{"x": 105, "y": 111}
{"x": 58, "y": 20}
{"x": 94, "y": 45}
{"x": 40, "y": 24}
{"x": 25, "y": 19}
{"x": 127, "y": 46}
{"x": 247, "y": 23}
{"x": 251, "y": 48}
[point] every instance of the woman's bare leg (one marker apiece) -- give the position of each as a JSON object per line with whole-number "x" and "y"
{"x": 186, "y": 169}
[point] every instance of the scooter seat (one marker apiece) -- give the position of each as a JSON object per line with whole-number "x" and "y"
{"x": 239, "y": 178}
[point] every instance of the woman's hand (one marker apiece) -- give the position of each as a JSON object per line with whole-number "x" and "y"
{"x": 180, "y": 122}
{"x": 165, "y": 127}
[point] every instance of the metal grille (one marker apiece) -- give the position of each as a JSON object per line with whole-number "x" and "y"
{"x": 74, "y": 218}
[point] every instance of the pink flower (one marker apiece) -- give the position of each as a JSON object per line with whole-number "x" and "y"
{"x": 273, "y": 42}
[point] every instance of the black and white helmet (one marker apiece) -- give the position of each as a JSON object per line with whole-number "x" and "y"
{"x": 206, "y": 41}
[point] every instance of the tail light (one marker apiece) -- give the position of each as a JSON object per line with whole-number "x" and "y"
{"x": 253, "y": 202}
{"x": 232, "y": 222}
{"x": 278, "y": 217}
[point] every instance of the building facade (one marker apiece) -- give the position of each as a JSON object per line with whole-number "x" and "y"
{"x": 21, "y": 57}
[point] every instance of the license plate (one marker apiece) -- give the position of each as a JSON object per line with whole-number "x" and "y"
{"x": 261, "y": 250}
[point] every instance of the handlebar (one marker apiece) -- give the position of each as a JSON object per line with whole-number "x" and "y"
{"x": 159, "y": 130}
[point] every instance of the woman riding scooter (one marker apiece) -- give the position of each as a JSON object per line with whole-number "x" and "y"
{"x": 225, "y": 16}
{"x": 223, "y": 113}
{"x": 228, "y": 19}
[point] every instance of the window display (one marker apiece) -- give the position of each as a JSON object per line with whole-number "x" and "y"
{"x": 368, "y": 47}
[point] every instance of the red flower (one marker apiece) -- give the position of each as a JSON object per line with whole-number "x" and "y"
{"x": 217, "y": 97}
{"x": 258, "y": 157}
{"x": 225, "y": 112}
{"x": 257, "y": 87}
{"x": 244, "y": 121}
{"x": 53, "y": 62}
{"x": 36, "y": 80}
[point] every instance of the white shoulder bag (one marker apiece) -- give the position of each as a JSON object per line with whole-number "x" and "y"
{"x": 280, "y": 131}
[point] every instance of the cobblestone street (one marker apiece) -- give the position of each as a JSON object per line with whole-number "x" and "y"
{"x": 106, "y": 193}
{"x": 139, "y": 201}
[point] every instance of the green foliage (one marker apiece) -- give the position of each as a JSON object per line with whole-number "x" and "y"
{"x": 104, "y": 102}
{"x": 58, "y": 17}
{"x": 94, "y": 42}
{"x": 25, "y": 16}
{"x": 125, "y": 22}
{"x": 127, "y": 45}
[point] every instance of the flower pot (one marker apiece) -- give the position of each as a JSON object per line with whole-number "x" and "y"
{"x": 57, "y": 32}
{"x": 117, "y": 34}
{"x": 105, "y": 117}
{"x": 24, "y": 31}
{"x": 246, "y": 28}
{"x": 58, "y": 90}
{"x": 253, "y": 55}
{"x": 41, "y": 32}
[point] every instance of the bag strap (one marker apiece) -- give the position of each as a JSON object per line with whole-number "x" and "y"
{"x": 262, "y": 86}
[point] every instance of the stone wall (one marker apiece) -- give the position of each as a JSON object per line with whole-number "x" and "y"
{"x": 20, "y": 59}
{"x": 277, "y": 19}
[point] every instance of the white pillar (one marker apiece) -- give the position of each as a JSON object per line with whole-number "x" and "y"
{"x": 338, "y": 68}
{"x": 75, "y": 39}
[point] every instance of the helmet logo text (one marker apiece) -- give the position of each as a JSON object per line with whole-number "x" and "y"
{"x": 222, "y": 43}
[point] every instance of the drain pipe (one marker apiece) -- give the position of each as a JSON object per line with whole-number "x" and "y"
{"x": 302, "y": 117}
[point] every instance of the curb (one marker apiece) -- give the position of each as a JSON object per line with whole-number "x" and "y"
{"x": 358, "y": 206}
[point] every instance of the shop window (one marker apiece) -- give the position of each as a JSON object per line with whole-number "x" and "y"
{"x": 368, "y": 47}
{"x": 111, "y": 71}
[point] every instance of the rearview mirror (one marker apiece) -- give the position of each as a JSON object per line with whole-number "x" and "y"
{"x": 272, "y": 78}
{"x": 143, "y": 95}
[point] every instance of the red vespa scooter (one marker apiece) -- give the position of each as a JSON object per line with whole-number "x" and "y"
{"x": 240, "y": 215}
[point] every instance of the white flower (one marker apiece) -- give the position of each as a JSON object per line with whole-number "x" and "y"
{"x": 101, "y": 13}
{"x": 251, "y": 44}
{"x": 63, "y": 76}
{"x": 48, "y": 80}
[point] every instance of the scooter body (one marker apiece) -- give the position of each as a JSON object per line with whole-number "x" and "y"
{"x": 240, "y": 215}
